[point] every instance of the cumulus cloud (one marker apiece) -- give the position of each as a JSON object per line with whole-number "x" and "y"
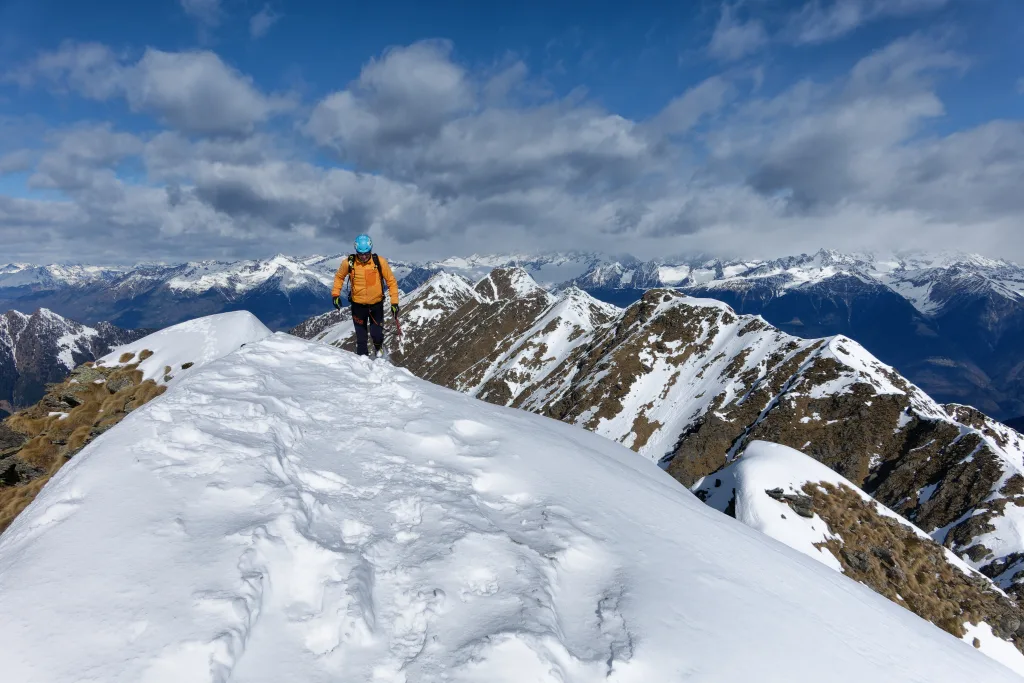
{"x": 404, "y": 97}
{"x": 417, "y": 116}
{"x": 820, "y": 21}
{"x": 261, "y": 22}
{"x": 436, "y": 158}
{"x": 733, "y": 40}
{"x": 197, "y": 92}
{"x": 820, "y": 146}
{"x": 193, "y": 91}
{"x": 83, "y": 159}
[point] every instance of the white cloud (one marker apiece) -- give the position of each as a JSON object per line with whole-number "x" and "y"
{"x": 820, "y": 21}
{"x": 206, "y": 12}
{"x": 17, "y": 161}
{"x": 440, "y": 159}
{"x": 418, "y": 116}
{"x": 196, "y": 91}
{"x": 686, "y": 111}
{"x": 90, "y": 69}
{"x": 405, "y": 96}
{"x": 733, "y": 40}
{"x": 261, "y": 22}
{"x": 193, "y": 91}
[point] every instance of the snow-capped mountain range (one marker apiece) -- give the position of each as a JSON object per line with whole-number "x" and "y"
{"x": 689, "y": 383}
{"x": 930, "y": 282}
{"x": 263, "y": 521}
{"x": 44, "y": 347}
{"x": 951, "y": 323}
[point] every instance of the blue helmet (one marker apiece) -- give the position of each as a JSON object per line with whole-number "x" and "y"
{"x": 364, "y": 245}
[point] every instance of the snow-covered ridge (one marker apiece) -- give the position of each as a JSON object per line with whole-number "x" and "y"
{"x": 752, "y": 489}
{"x": 182, "y": 349}
{"x": 687, "y": 382}
{"x": 405, "y": 533}
{"x": 244, "y": 276}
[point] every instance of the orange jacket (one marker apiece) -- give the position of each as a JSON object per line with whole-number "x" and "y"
{"x": 366, "y": 281}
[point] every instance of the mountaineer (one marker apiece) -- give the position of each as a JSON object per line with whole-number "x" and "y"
{"x": 368, "y": 272}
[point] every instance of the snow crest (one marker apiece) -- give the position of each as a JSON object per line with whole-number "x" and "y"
{"x": 293, "y": 512}
{"x": 192, "y": 344}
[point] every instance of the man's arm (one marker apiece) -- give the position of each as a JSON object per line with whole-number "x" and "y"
{"x": 339, "y": 278}
{"x": 389, "y": 277}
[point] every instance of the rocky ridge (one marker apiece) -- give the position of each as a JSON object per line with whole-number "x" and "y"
{"x": 688, "y": 382}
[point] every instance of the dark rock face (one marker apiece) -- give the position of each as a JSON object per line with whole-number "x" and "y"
{"x": 40, "y": 349}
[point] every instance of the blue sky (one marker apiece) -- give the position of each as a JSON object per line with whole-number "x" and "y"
{"x": 182, "y": 129}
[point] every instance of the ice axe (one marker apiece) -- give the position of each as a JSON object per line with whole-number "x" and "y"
{"x": 398, "y": 334}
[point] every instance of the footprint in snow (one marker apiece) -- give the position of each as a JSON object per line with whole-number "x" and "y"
{"x": 471, "y": 431}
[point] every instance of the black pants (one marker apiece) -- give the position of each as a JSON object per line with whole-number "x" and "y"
{"x": 372, "y": 316}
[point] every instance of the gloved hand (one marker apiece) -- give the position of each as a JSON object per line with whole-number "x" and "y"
{"x": 337, "y": 302}
{"x": 394, "y": 310}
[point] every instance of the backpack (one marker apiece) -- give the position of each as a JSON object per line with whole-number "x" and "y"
{"x": 352, "y": 264}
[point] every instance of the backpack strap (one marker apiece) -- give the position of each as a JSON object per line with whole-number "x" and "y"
{"x": 376, "y": 264}
{"x": 380, "y": 277}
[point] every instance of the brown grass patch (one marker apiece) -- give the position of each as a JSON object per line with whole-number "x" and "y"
{"x": 126, "y": 357}
{"x": 146, "y": 392}
{"x": 644, "y": 427}
{"x": 144, "y": 354}
{"x": 14, "y": 499}
{"x": 53, "y": 441}
{"x": 40, "y": 453}
{"x": 28, "y": 425}
{"x": 894, "y": 561}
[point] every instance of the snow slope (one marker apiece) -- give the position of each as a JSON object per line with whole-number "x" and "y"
{"x": 765, "y": 466}
{"x": 292, "y": 512}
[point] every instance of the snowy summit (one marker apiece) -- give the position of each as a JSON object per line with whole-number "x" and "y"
{"x": 291, "y": 512}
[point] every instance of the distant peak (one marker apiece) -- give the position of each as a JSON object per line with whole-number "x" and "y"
{"x": 508, "y": 283}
